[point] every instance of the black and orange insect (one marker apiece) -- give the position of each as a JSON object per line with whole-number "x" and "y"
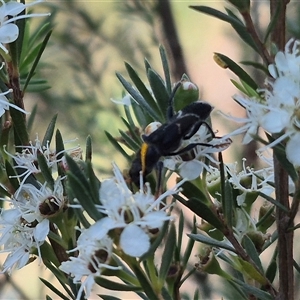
{"x": 167, "y": 139}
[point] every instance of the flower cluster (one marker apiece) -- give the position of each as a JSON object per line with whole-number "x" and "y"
{"x": 94, "y": 257}
{"x": 139, "y": 215}
{"x": 24, "y": 226}
{"x": 9, "y": 13}
{"x": 26, "y": 161}
{"x": 277, "y": 108}
{"x": 131, "y": 218}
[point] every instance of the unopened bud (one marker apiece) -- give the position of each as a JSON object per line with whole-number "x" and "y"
{"x": 186, "y": 94}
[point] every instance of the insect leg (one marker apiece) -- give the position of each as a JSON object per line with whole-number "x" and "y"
{"x": 196, "y": 127}
{"x": 189, "y": 147}
{"x": 170, "y": 111}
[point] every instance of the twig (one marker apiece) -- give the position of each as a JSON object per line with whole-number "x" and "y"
{"x": 172, "y": 39}
{"x": 285, "y": 238}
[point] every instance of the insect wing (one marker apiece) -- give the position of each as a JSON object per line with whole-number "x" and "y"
{"x": 200, "y": 109}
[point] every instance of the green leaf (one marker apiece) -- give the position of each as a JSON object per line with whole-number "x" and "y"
{"x": 189, "y": 247}
{"x": 19, "y": 126}
{"x": 202, "y": 210}
{"x": 253, "y": 290}
{"x": 145, "y": 283}
{"x": 196, "y": 295}
{"x": 165, "y": 64}
{"x": 273, "y": 21}
{"x": 117, "y": 146}
{"x": 49, "y": 132}
{"x": 236, "y": 69}
{"x": 11, "y": 175}
{"x": 219, "y": 15}
{"x": 157, "y": 242}
{"x": 241, "y": 5}
{"x": 190, "y": 190}
{"x": 167, "y": 256}
{"x": 142, "y": 118}
{"x": 4, "y": 139}
{"x": 129, "y": 116}
{"x": 88, "y": 149}
{"x": 242, "y": 32}
{"x": 60, "y": 275}
{"x": 245, "y": 88}
{"x": 160, "y": 92}
{"x": 83, "y": 196}
{"x": 15, "y": 48}
{"x": 116, "y": 286}
{"x": 165, "y": 294}
{"x": 37, "y": 59}
{"x": 142, "y": 88}
{"x": 227, "y": 203}
{"x": 296, "y": 266}
{"x": 59, "y": 145}
{"x": 210, "y": 241}
{"x": 94, "y": 182}
{"x": 251, "y": 251}
{"x": 108, "y": 297}
{"x": 129, "y": 142}
{"x": 30, "y": 39}
{"x": 31, "y": 118}
{"x": 135, "y": 136}
{"x": 147, "y": 65}
{"x": 54, "y": 289}
{"x": 273, "y": 201}
{"x": 139, "y": 98}
{"x": 266, "y": 220}
{"x": 42, "y": 162}
{"x": 272, "y": 267}
{"x": 251, "y": 271}
{"x": 180, "y": 230}
{"x": 80, "y": 187}
{"x": 239, "y": 86}
{"x": 256, "y": 65}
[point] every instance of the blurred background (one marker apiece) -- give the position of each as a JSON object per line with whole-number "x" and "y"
{"x": 90, "y": 42}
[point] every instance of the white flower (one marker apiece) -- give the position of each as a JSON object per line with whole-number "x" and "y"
{"x": 26, "y": 161}
{"x": 277, "y": 110}
{"x": 18, "y": 238}
{"x": 5, "y": 104}
{"x": 249, "y": 180}
{"x": 25, "y": 226}
{"x": 254, "y": 111}
{"x": 36, "y": 204}
{"x": 190, "y": 164}
{"x": 9, "y": 11}
{"x": 137, "y": 215}
{"x": 94, "y": 256}
{"x": 287, "y": 62}
{"x": 126, "y": 100}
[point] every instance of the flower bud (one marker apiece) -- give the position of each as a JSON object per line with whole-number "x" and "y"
{"x": 186, "y": 94}
{"x": 266, "y": 217}
{"x": 258, "y": 239}
{"x": 209, "y": 264}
